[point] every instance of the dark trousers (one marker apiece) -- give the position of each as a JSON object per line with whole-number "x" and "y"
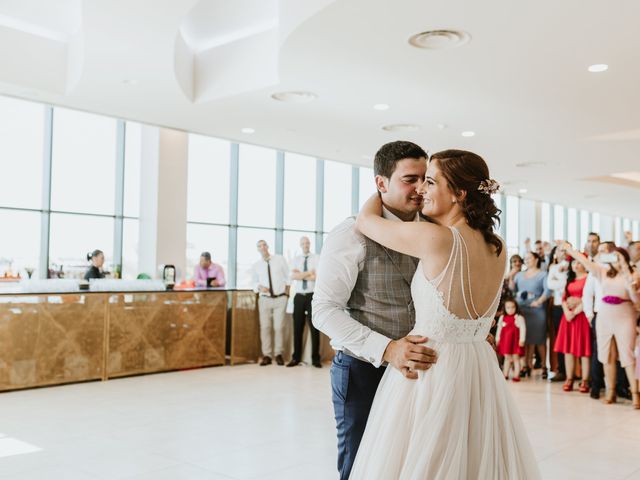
{"x": 597, "y": 370}
{"x": 354, "y": 384}
{"x": 556, "y": 316}
{"x": 302, "y": 315}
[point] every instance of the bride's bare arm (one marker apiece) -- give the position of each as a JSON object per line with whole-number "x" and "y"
{"x": 411, "y": 238}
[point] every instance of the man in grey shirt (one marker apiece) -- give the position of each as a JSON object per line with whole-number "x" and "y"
{"x": 362, "y": 301}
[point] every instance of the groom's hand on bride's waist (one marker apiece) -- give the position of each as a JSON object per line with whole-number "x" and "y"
{"x": 409, "y": 355}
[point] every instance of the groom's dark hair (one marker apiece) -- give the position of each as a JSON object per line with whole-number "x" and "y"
{"x": 391, "y": 153}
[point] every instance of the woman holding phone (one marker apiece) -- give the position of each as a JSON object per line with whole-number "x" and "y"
{"x": 616, "y": 326}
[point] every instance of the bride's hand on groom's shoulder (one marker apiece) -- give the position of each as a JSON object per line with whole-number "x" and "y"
{"x": 409, "y": 355}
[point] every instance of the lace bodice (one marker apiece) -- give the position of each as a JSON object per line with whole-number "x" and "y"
{"x": 433, "y": 300}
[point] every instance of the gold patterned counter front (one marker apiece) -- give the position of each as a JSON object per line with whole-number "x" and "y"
{"x": 153, "y": 332}
{"x": 50, "y": 339}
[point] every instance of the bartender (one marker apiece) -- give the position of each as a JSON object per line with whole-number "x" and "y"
{"x": 97, "y": 261}
{"x": 207, "y": 273}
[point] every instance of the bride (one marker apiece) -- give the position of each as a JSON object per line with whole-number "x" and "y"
{"x": 458, "y": 420}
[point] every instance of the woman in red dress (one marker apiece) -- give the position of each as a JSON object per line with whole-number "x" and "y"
{"x": 574, "y": 332}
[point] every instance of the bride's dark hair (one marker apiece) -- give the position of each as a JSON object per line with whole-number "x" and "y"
{"x": 465, "y": 171}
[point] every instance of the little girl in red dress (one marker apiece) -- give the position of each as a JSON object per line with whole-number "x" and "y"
{"x": 510, "y": 338}
{"x": 574, "y": 336}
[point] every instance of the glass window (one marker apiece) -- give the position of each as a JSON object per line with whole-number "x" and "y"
{"x": 73, "y": 236}
{"x": 558, "y": 222}
{"x": 545, "y": 222}
{"x": 21, "y": 154}
{"x": 130, "y": 248}
{"x": 207, "y": 238}
{"x": 572, "y": 224}
{"x": 257, "y": 187}
{"x": 248, "y": 252}
{"x": 367, "y": 185}
{"x": 584, "y": 227}
{"x": 337, "y": 193}
{"x": 636, "y": 230}
{"x": 618, "y": 231}
{"x": 512, "y": 223}
{"x": 132, "y": 160}
{"x": 626, "y": 230}
{"x": 19, "y": 242}
{"x": 595, "y": 223}
{"x": 209, "y": 179}
{"x": 83, "y": 169}
{"x": 299, "y": 192}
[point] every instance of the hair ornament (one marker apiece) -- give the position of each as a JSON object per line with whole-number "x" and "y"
{"x": 489, "y": 186}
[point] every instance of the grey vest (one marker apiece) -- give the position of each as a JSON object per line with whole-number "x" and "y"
{"x": 381, "y": 298}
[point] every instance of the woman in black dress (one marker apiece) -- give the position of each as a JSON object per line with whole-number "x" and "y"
{"x": 97, "y": 261}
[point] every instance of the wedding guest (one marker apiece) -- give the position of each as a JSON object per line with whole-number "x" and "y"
{"x": 270, "y": 279}
{"x": 515, "y": 266}
{"x": 304, "y": 275}
{"x": 97, "y": 262}
{"x": 538, "y": 247}
{"x": 617, "y": 319}
{"x": 207, "y": 273}
{"x": 531, "y": 294}
{"x": 592, "y": 245}
{"x": 510, "y": 338}
{"x": 592, "y": 302}
{"x": 556, "y": 282}
{"x": 574, "y": 339}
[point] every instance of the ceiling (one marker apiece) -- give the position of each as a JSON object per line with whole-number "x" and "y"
{"x": 210, "y": 66}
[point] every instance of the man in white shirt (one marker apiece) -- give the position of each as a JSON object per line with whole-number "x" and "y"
{"x": 303, "y": 275}
{"x": 270, "y": 279}
{"x": 362, "y": 301}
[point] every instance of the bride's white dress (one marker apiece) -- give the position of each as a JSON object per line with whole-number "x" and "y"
{"x": 458, "y": 420}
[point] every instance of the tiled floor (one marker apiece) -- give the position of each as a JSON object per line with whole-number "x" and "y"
{"x": 269, "y": 423}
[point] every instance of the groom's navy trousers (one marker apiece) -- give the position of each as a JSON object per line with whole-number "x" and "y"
{"x": 354, "y": 384}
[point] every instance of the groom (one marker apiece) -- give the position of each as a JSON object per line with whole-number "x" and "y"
{"x": 362, "y": 300}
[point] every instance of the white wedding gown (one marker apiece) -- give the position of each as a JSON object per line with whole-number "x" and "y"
{"x": 458, "y": 419}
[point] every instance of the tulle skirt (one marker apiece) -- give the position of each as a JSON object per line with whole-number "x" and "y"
{"x": 457, "y": 421}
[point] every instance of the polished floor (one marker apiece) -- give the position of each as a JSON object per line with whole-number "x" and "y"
{"x": 248, "y": 422}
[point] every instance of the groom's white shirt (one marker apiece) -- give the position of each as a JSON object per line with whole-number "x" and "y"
{"x": 342, "y": 259}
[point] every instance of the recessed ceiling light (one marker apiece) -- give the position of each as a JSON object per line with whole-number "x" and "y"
{"x": 248, "y": 130}
{"x": 523, "y": 191}
{"x": 530, "y": 164}
{"x": 468, "y": 133}
{"x": 401, "y": 127}
{"x": 295, "y": 97}
{"x": 130, "y": 81}
{"x": 439, "y": 39}
{"x": 381, "y": 106}
{"x": 598, "y": 67}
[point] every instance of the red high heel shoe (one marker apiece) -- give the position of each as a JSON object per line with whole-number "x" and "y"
{"x": 515, "y": 379}
{"x": 568, "y": 385}
{"x": 584, "y": 387}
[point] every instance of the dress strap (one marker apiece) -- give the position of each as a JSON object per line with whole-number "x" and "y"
{"x": 466, "y": 285}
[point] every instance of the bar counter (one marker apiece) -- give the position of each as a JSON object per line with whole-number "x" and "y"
{"x": 51, "y": 338}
